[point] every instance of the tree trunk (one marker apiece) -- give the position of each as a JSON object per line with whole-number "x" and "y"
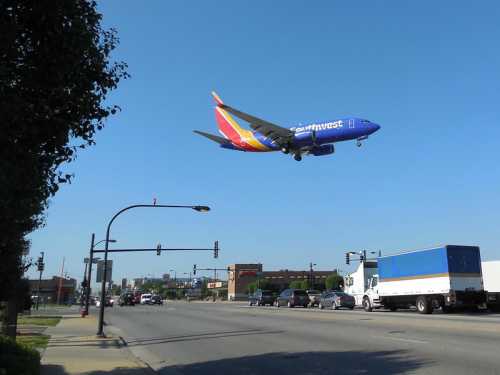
{"x": 8, "y": 313}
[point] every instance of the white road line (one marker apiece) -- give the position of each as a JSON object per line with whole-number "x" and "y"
{"x": 413, "y": 341}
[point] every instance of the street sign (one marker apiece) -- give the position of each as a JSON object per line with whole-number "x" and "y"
{"x": 100, "y": 271}
{"x": 86, "y": 260}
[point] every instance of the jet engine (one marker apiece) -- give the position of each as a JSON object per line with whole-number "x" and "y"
{"x": 322, "y": 150}
{"x": 306, "y": 138}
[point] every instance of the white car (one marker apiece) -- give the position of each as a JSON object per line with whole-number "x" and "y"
{"x": 146, "y": 299}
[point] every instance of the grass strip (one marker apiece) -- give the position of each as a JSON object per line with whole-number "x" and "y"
{"x": 39, "y": 320}
{"x": 33, "y": 341}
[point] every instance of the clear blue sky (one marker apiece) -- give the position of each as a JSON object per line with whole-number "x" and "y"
{"x": 427, "y": 71}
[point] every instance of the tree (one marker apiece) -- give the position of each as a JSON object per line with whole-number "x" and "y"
{"x": 296, "y": 284}
{"x": 334, "y": 281}
{"x": 55, "y": 74}
{"x": 259, "y": 284}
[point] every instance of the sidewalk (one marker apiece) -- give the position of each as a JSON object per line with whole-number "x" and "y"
{"x": 74, "y": 349}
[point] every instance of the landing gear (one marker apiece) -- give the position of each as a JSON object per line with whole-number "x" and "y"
{"x": 358, "y": 143}
{"x": 297, "y": 157}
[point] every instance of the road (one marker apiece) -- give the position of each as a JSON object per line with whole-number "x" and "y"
{"x": 224, "y": 338}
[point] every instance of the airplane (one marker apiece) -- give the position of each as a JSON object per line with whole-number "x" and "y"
{"x": 313, "y": 139}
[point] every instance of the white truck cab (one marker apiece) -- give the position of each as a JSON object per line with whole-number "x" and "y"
{"x": 357, "y": 283}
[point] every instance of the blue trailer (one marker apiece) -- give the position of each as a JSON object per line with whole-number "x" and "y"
{"x": 442, "y": 277}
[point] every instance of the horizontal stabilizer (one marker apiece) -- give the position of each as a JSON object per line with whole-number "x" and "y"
{"x": 215, "y": 138}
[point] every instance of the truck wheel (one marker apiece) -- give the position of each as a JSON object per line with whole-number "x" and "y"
{"x": 320, "y": 306}
{"x": 334, "y": 306}
{"x": 250, "y": 303}
{"x": 367, "y": 304}
{"x": 424, "y": 306}
{"x": 289, "y": 304}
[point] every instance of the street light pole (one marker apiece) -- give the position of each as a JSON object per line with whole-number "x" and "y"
{"x": 100, "y": 329}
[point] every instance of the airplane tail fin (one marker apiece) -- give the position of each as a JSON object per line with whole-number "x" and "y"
{"x": 226, "y": 123}
{"x": 217, "y": 99}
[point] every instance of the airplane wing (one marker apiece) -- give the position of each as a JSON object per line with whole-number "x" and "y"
{"x": 212, "y": 137}
{"x": 278, "y": 134}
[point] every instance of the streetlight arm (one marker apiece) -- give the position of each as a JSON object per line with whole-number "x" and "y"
{"x": 198, "y": 208}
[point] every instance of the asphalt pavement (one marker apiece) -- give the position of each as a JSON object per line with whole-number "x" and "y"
{"x": 232, "y": 338}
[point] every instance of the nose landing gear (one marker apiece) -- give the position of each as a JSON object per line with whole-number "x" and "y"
{"x": 358, "y": 143}
{"x": 297, "y": 157}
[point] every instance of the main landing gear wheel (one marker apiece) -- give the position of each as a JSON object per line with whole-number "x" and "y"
{"x": 358, "y": 143}
{"x": 297, "y": 157}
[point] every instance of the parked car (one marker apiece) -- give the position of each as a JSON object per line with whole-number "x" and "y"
{"x": 126, "y": 299}
{"x": 146, "y": 299}
{"x": 314, "y": 297}
{"x": 137, "y": 298}
{"x": 261, "y": 298}
{"x": 292, "y": 298}
{"x": 335, "y": 300}
{"x": 156, "y": 300}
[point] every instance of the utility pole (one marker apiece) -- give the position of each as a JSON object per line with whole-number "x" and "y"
{"x": 60, "y": 282}
{"x": 40, "y": 266}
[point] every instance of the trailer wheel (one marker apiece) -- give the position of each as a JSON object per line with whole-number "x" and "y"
{"x": 367, "y": 304}
{"x": 424, "y": 306}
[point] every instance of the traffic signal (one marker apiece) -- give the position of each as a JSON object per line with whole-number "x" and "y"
{"x": 216, "y": 249}
{"x": 194, "y": 269}
{"x": 158, "y": 249}
{"x": 347, "y": 259}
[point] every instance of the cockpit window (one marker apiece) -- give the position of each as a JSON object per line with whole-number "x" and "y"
{"x": 365, "y": 121}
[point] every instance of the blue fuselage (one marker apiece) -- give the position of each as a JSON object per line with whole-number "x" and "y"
{"x": 320, "y": 133}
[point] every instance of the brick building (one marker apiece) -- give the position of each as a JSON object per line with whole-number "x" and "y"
{"x": 241, "y": 275}
{"x": 49, "y": 289}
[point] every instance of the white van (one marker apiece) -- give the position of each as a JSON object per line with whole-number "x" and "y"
{"x": 146, "y": 299}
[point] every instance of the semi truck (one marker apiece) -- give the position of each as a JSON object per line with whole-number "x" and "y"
{"x": 491, "y": 279}
{"x": 443, "y": 277}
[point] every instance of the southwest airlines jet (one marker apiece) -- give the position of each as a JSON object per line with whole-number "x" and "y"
{"x": 316, "y": 139}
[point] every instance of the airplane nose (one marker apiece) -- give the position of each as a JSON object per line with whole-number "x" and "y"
{"x": 375, "y": 127}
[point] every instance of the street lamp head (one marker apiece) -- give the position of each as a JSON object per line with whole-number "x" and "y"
{"x": 113, "y": 241}
{"x": 201, "y": 208}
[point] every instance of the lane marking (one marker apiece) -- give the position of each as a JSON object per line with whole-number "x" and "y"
{"x": 413, "y": 341}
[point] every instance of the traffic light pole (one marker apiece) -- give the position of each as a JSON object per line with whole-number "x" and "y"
{"x": 40, "y": 268}
{"x": 91, "y": 260}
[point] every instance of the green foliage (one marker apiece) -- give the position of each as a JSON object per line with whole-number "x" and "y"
{"x": 299, "y": 284}
{"x": 17, "y": 358}
{"x": 263, "y": 284}
{"x": 334, "y": 281}
{"x": 55, "y": 76}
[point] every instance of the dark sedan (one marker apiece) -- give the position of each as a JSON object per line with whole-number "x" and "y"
{"x": 126, "y": 299}
{"x": 292, "y": 298}
{"x": 336, "y": 300}
{"x": 261, "y": 298}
